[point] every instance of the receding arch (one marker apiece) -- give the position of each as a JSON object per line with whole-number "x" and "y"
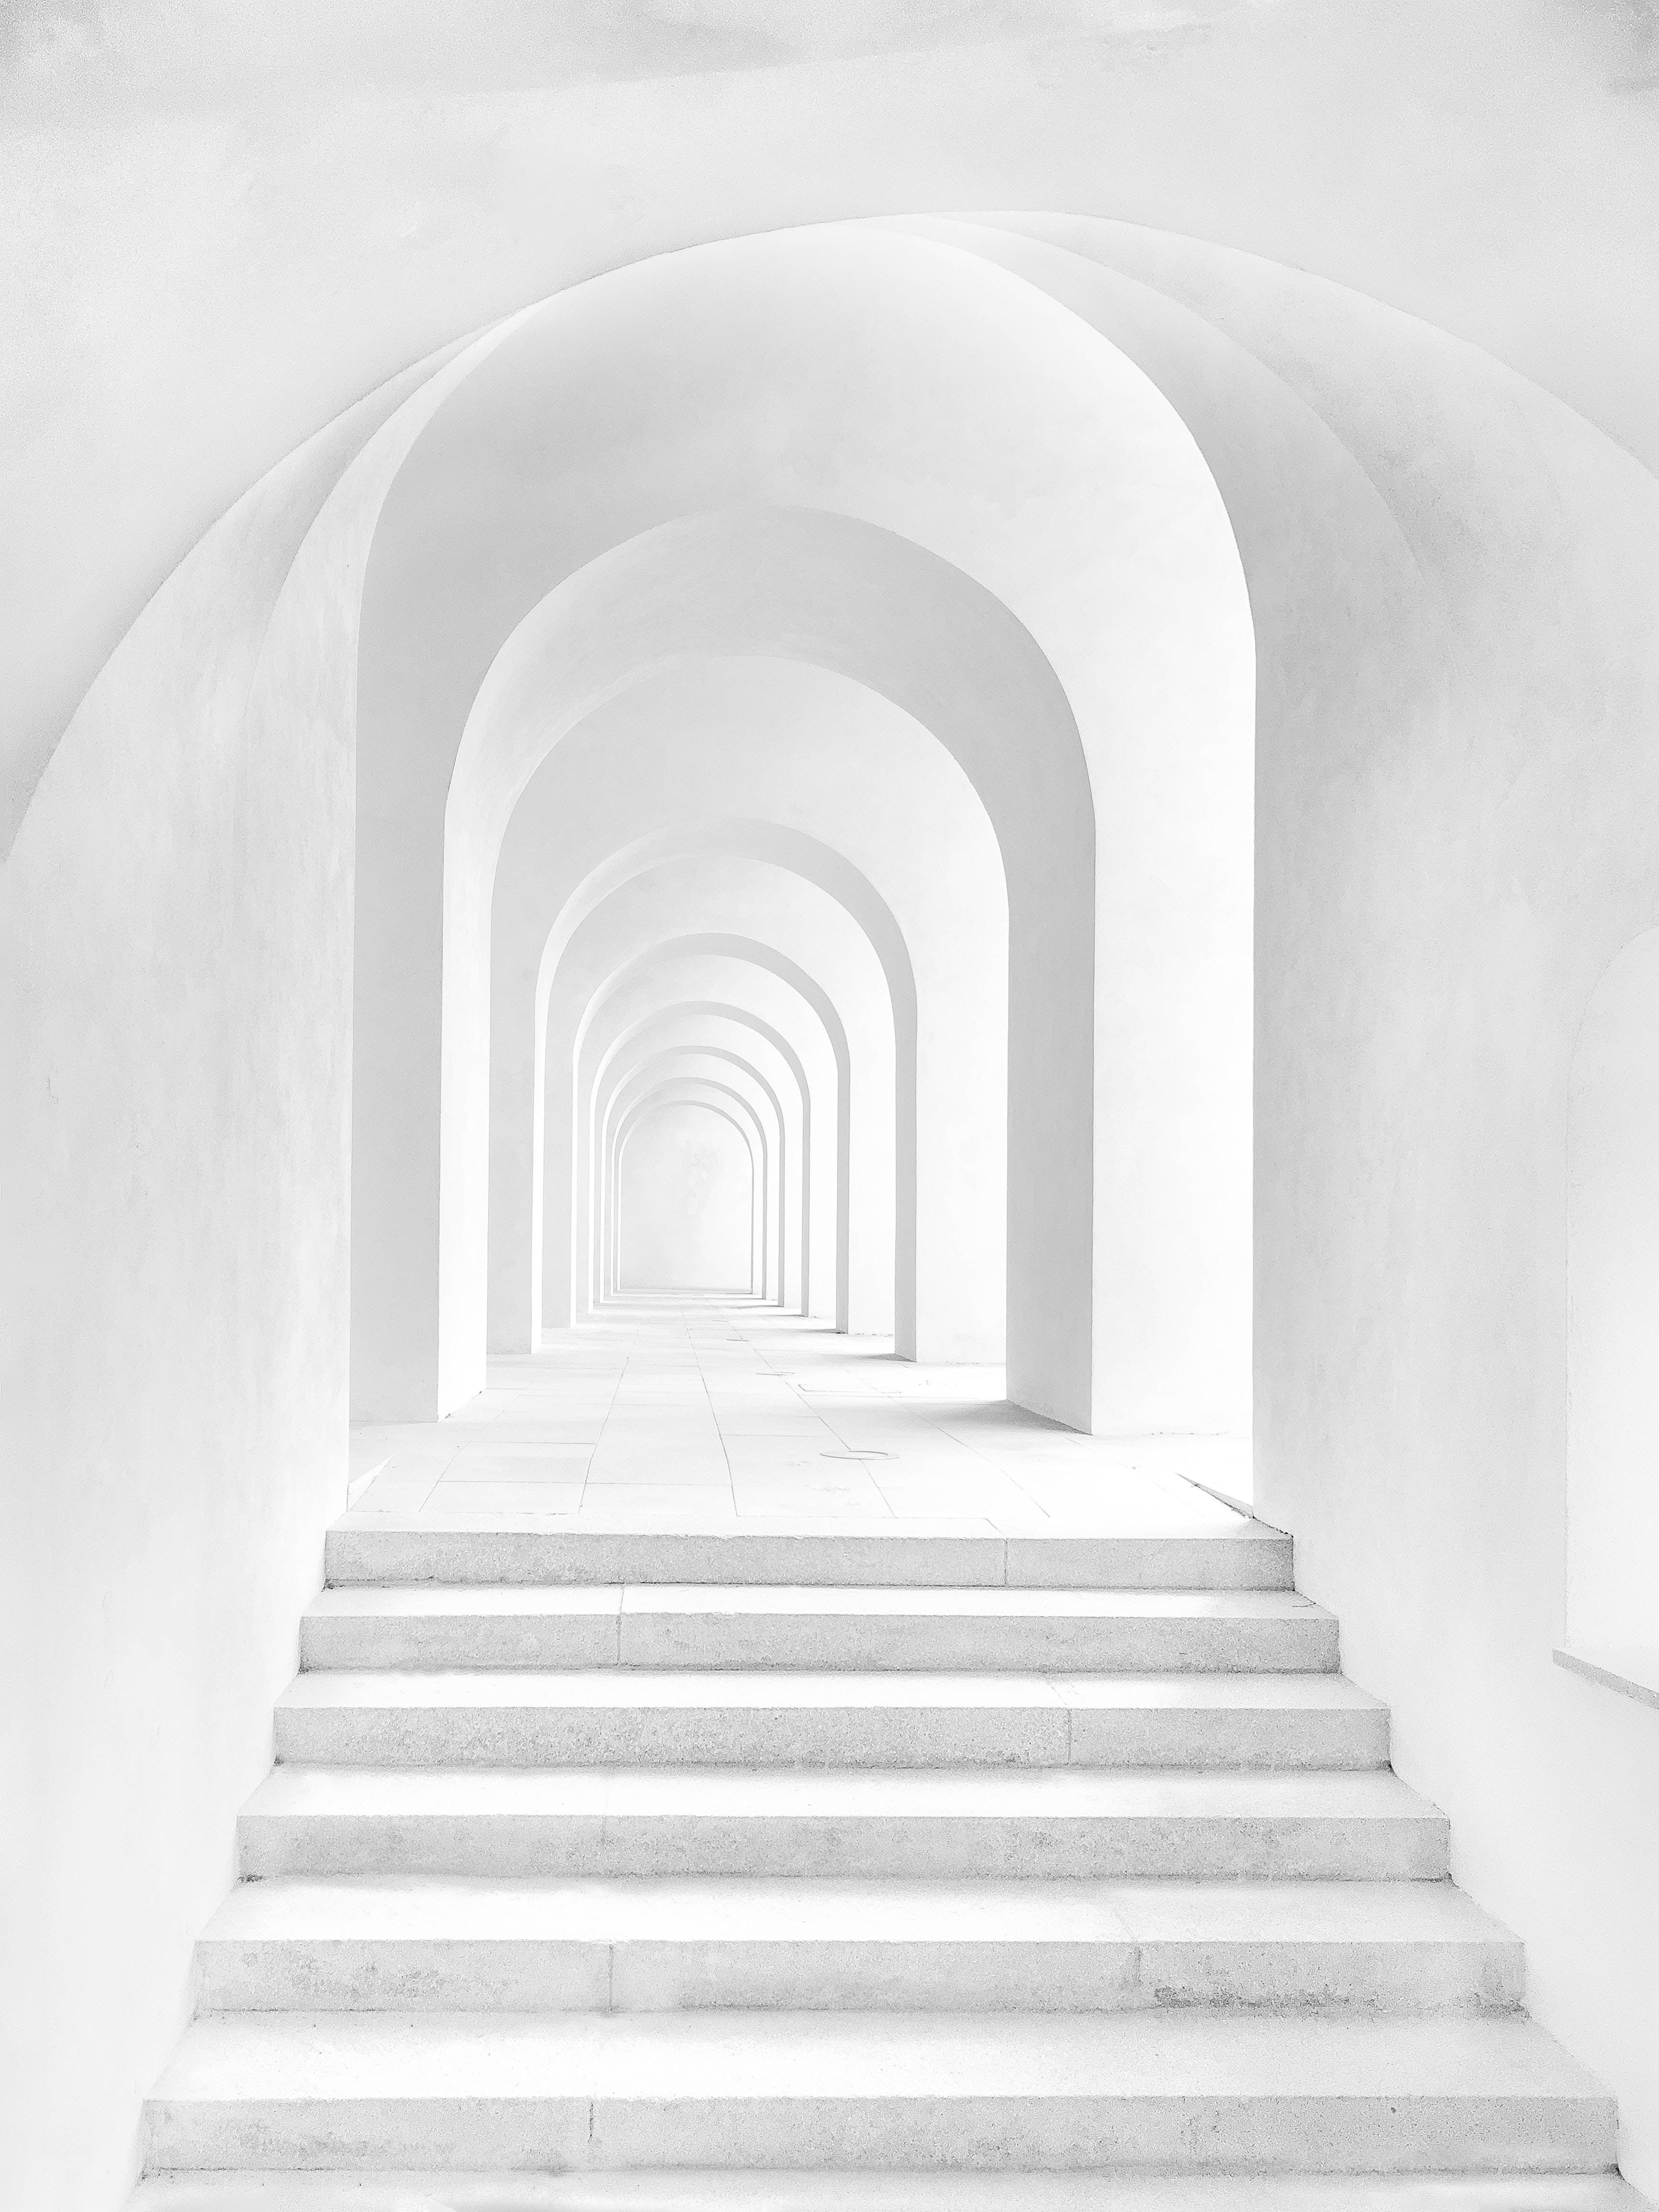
{"x": 680, "y": 1012}
{"x": 816, "y": 863}
{"x": 752, "y": 952}
{"x": 724, "y": 1098}
{"x": 957, "y": 663}
{"x": 657, "y": 1117}
{"x": 1044, "y": 470}
{"x": 747, "y": 1115}
{"x": 717, "y": 891}
{"x": 632, "y": 1084}
{"x": 676, "y": 1008}
{"x": 721, "y": 893}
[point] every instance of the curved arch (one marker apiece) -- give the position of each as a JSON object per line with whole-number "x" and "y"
{"x": 776, "y": 582}
{"x": 746, "y": 1018}
{"x": 1511, "y": 474}
{"x": 1049, "y": 475}
{"x": 604, "y": 1158}
{"x": 750, "y": 1120}
{"x": 638, "y": 1122}
{"x": 806, "y": 988}
{"x": 622, "y": 1096}
{"x": 903, "y": 624}
{"x": 761, "y": 899}
{"x": 740, "y": 1018}
{"x": 755, "y": 1140}
{"x": 1267, "y": 309}
{"x": 817, "y": 863}
{"x": 749, "y": 1123}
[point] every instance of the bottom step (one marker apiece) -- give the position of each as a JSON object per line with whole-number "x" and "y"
{"x": 878, "y": 2192}
{"x": 540, "y": 2092}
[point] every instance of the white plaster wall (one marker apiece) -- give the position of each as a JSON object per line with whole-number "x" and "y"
{"x": 1612, "y": 1610}
{"x": 687, "y": 1192}
{"x": 175, "y": 930}
{"x": 1439, "y": 901}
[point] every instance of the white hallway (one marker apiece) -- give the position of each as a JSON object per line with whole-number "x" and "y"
{"x": 828, "y": 1042}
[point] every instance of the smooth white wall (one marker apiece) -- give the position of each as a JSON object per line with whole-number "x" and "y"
{"x": 1452, "y": 864}
{"x": 1613, "y": 1320}
{"x": 175, "y": 979}
{"x": 686, "y": 1192}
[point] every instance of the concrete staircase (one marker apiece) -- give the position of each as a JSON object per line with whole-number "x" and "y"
{"x": 773, "y": 1871}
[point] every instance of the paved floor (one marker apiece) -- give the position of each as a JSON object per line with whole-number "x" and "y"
{"x": 718, "y": 1412}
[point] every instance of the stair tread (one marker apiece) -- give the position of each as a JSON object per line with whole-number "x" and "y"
{"x": 1210, "y": 1546}
{"x": 422, "y": 1599}
{"x": 1069, "y": 1792}
{"x": 750, "y": 1909}
{"x": 901, "y": 2057}
{"x": 645, "y": 1688}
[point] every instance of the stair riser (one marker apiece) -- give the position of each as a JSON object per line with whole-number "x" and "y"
{"x": 915, "y": 1644}
{"x": 858, "y": 1736}
{"x": 524, "y": 1556}
{"x": 530, "y": 1976}
{"x": 1198, "y": 2134}
{"x": 1180, "y": 1846}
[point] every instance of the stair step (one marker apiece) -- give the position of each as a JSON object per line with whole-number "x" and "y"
{"x": 717, "y": 1625}
{"x": 619, "y": 1717}
{"x": 598, "y": 1946}
{"x": 309, "y": 1820}
{"x": 727, "y": 2191}
{"x": 1241, "y": 1554}
{"x": 1194, "y": 2090}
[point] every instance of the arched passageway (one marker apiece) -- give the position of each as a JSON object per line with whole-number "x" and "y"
{"x": 1068, "y": 742}
{"x": 602, "y": 683}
